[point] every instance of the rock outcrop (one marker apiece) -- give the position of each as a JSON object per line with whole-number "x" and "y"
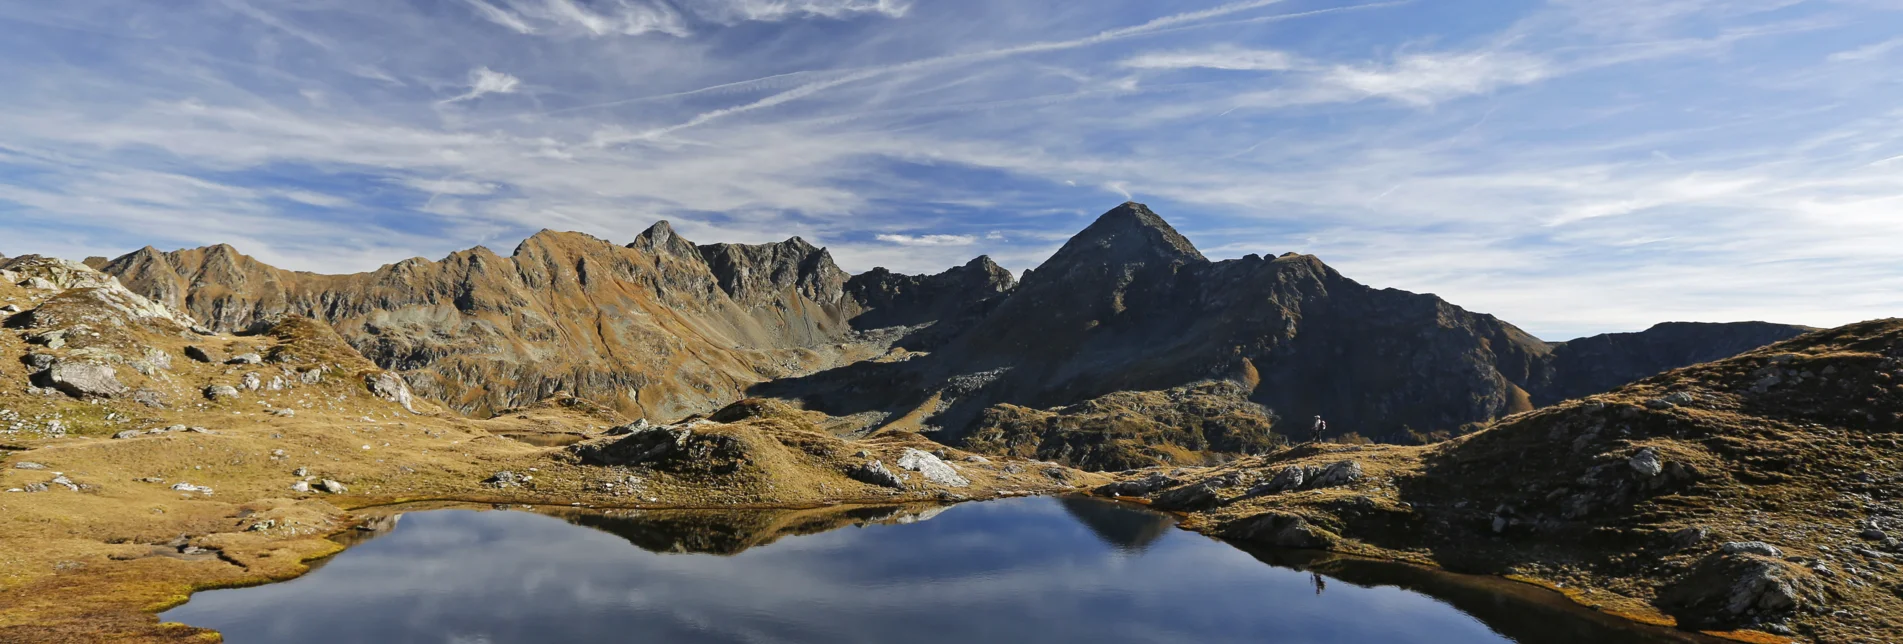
{"x": 950, "y": 301}
{"x": 659, "y": 328}
{"x": 1130, "y": 305}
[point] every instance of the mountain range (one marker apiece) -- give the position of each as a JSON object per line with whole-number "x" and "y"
{"x": 662, "y": 328}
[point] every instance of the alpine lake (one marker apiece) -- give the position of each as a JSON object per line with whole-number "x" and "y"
{"x": 1064, "y": 569}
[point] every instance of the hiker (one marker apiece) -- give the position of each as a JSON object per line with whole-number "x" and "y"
{"x": 1321, "y": 426}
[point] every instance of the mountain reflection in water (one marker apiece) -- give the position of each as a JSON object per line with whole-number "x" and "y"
{"x": 1024, "y": 570}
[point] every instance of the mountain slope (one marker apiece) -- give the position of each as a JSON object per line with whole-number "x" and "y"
{"x": 1754, "y": 492}
{"x": 652, "y": 328}
{"x": 1130, "y": 305}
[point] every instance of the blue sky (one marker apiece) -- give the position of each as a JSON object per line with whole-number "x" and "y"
{"x": 1573, "y": 166}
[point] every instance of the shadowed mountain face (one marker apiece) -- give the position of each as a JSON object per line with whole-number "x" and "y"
{"x": 1130, "y": 305}
{"x": 663, "y": 327}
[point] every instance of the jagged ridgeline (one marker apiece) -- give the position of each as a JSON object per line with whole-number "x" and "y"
{"x": 662, "y": 328}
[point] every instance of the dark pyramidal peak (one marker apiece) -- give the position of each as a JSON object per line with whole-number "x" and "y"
{"x": 663, "y": 327}
{"x": 1129, "y": 305}
{"x": 1128, "y": 234}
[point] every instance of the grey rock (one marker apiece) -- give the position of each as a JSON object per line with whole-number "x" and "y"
{"x": 252, "y": 382}
{"x": 62, "y": 481}
{"x": 9, "y": 309}
{"x": 130, "y": 433}
{"x": 932, "y": 467}
{"x": 1337, "y": 475}
{"x": 875, "y": 473}
{"x": 630, "y": 428}
{"x": 974, "y": 458}
{"x": 1681, "y": 398}
{"x": 41, "y": 361}
{"x": 504, "y": 480}
{"x": 82, "y": 380}
{"x": 187, "y": 487}
{"x": 149, "y": 398}
{"x": 1139, "y": 488}
{"x": 35, "y": 487}
{"x": 1290, "y": 478}
{"x": 28, "y": 465}
{"x": 50, "y": 339}
{"x": 300, "y": 472}
{"x": 1689, "y": 537}
{"x": 1281, "y": 530}
{"x": 311, "y": 377}
{"x": 1873, "y": 534}
{"x": 1752, "y": 547}
{"x": 221, "y": 392}
{"x": 1500, "y": 524}
{"x": 1189, "y": 498}
{"x": 246, "y": 358}
{"x": 38, "y": 284}
{"x": 1646, "y": 463}
{"x": 391, "y": 387}
{"x": 332, "y": 487}
{"x": 300, "y": 486}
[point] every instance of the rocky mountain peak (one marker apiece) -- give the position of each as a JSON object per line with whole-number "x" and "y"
{"x": 1128, "y": 234}
{"x": 755, "y": 273}
{"x": 660, "y": 239}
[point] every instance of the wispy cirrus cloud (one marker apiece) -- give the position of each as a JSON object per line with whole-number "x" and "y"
{"x": 483, "y": 80}
{"x": 1571, "y": 166}
{"x": 929, "y": 240}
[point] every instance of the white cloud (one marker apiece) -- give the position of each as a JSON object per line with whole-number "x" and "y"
{"x": 1867, "y": 53}
{"x": 1230, "y": 58}
{"x": 1426, "y": 79}
{"x": 501, "y": 16}
{"x": 731, "y": 11}
{"x": 450, "y": 186}
{"x": 483, "y": 80}
{"x": 929, "y": 240}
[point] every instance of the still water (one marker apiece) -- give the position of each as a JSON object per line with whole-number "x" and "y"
{"x": 1024, "y": 570}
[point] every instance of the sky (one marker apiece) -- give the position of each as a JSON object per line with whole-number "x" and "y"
{"x": 1571, "y": 166}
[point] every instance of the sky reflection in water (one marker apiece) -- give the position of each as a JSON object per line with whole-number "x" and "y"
{"x": 1045, "y": 570}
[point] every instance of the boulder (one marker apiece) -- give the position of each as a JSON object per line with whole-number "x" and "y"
{"x": 1290, "y": 478}
{"x": 875, "y": 473}
{"x": 1646, "y": 463}
{"x": 391, "y": 387}
{"x": 83, "y": 380}
{"x": 130, "y": 433}
{"x": 246, "y": 358}
{"x": 300, "y": 486}
{"x": 1336, "y": 475}
{"x": 1189, "y": 498}
{"x": 1281, "y": 530}
{"x": 332, "y": 487}
{"x": 28, "y": 465}
{"x": 202, "y": 354}
{"x": 149, "y": 398}
{"x": 187, "y": 487}
{"x": 1759, "y": 548}
{"x": 1732, "y": 589}
{"x": 932, "y": 467}
{"x": 252, "y": 382}
{"x": 40, "y": 361}
{"x": 221, "y": 392}
{"x": 1139, "y": 488}
{"x": 504, "y": 480}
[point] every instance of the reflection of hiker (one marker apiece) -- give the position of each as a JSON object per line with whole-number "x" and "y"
{"x": 1319, "y": 584}
{"x": 1321, "y": 426}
